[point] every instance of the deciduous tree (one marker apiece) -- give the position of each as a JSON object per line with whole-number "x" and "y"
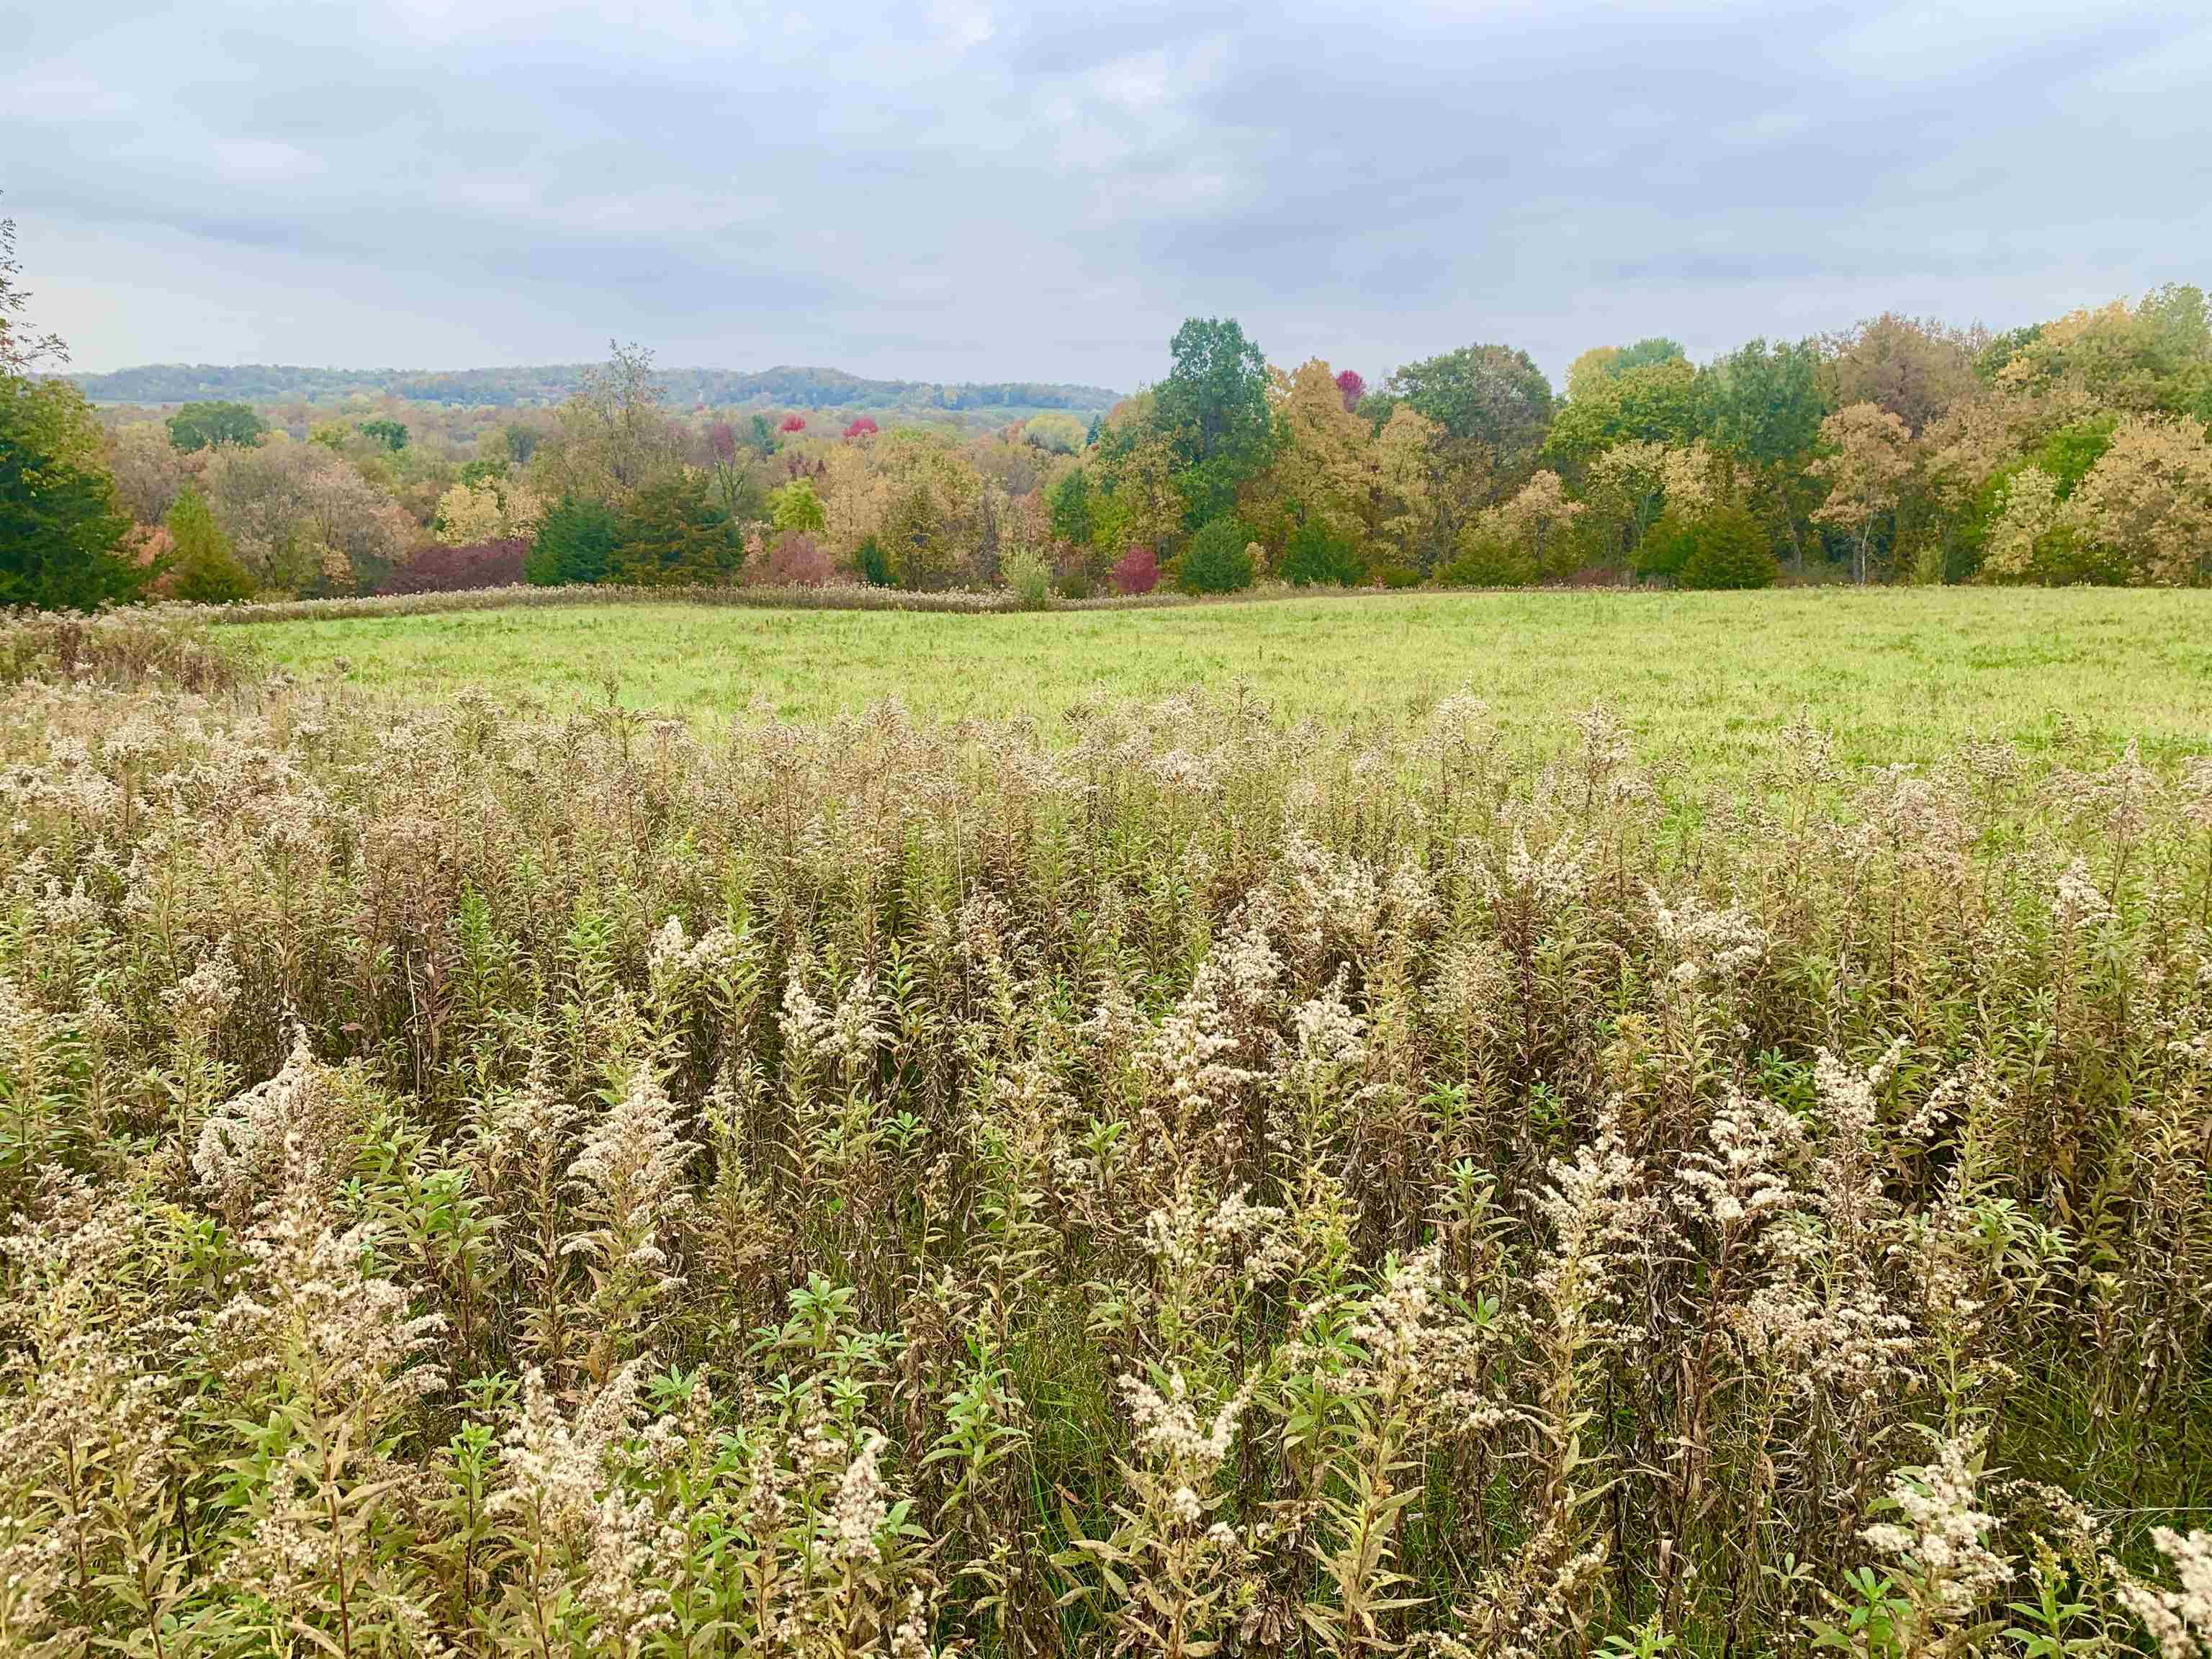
{"x": 2147, "y": 504}
{"x": 202, "y": 567}
{"x": 1914, "y": 369}
{"x": 1212, "y": 410}
{"x": 1490, "y": 399}
{"x": 1865, "y": 463}
{"x": 212, "y": 425}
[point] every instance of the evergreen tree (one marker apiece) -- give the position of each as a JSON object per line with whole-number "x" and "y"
{"x": 575, "y": 544}
{"x": 61, "y": 526}
{"x": 673, "y": 534}
{"x": 1217, "y": 560}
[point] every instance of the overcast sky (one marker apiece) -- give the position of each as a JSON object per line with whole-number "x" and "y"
{"x": 973, "y": 189}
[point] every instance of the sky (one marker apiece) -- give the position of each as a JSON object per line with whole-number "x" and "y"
{"x": 950, "y": 189}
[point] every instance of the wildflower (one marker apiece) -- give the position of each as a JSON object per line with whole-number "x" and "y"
{"x": 1942, "y": 1537}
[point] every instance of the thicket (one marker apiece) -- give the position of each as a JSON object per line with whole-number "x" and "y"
{"x": 499, "y": 1185}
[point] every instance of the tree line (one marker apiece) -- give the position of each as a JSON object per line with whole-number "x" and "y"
{"x": 1896, "y": 450}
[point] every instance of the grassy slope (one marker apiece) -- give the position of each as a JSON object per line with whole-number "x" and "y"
{"x": 1895, "y": 675}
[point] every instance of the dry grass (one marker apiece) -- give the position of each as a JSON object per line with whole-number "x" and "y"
{"x": 493, "y": 1184}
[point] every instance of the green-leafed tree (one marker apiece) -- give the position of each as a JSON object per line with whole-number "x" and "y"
{"x": 1316, "y": 556}
{"x": 796, "y": 508}
{"x": 1761, "y": 404}
{"x": 1070, "y": 506}
{"x": 204, "y": 567}
{"x": 212, "y": 425}
{"x": 1212, "y": 409}
{"x": 61, "y": 529}
{"x": 1491, "y": 397}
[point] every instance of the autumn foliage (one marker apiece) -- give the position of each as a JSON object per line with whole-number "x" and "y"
{"x": 1137, "y": 571}
{"x": 444, "y": 567}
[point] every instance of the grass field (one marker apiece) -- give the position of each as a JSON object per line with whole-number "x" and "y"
{"x": 1894, "y": 674}
{"x": 483, "y": 1183}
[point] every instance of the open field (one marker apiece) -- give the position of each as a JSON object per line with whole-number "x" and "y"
{"x": 1709, "y": 679}
{"x": 489, "y": 1183}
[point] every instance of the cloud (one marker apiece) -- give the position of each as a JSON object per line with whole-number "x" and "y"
{"x": 960, "y": 189}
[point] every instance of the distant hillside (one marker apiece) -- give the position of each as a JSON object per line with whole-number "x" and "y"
{"x": 780, "y": 388}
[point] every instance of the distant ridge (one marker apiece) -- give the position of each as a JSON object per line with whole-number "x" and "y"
{"x": 781, "y": 387}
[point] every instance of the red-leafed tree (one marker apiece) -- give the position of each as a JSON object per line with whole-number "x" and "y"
{"x": 1137, "y": 571}
{"x": 862, "y": 427}
{"x": 1352, "y": 386}
{"x": 793, "y": 423}
{"x": 723, "y": 441}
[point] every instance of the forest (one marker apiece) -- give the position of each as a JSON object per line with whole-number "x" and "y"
{"x": 1894, "y": 450}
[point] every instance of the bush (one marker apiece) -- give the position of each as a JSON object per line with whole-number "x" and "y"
{"x": 1398, "y": 575}
{"x": 1488, "y": 560}
{"x": 796, "y": 559}
{"x": 1137, "y": 571}
{"x": 1218, "y": 559}
{"x": 1029, "y": 579}
{"x": 1317, "y": 556}
{"x": 1728, "y": 550}
{"x": 1666, "y": 547}
{"x": 439, "y": 568}
{"x": 875, "y": 567}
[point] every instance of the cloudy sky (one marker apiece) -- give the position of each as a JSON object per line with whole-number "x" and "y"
{"x": 971, "y": 189}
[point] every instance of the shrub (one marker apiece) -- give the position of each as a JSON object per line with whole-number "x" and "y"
{"x": 1218, "y": 559}
{"x": 1488, "y": 560}
{"x": 861, "y": 427}
{"x": 1728, "y": 549}
{"x": 874, "y": 567}
{"x": 1028, "y": 578}
{"x": 437, "y": 567}
{"x": 1317, "y": 556}
{"x": 1137, "y": 571}
{"x": 1666, "y": 546}
{"x": 796, "y": 559}
{"x": 504, "y": 1183}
